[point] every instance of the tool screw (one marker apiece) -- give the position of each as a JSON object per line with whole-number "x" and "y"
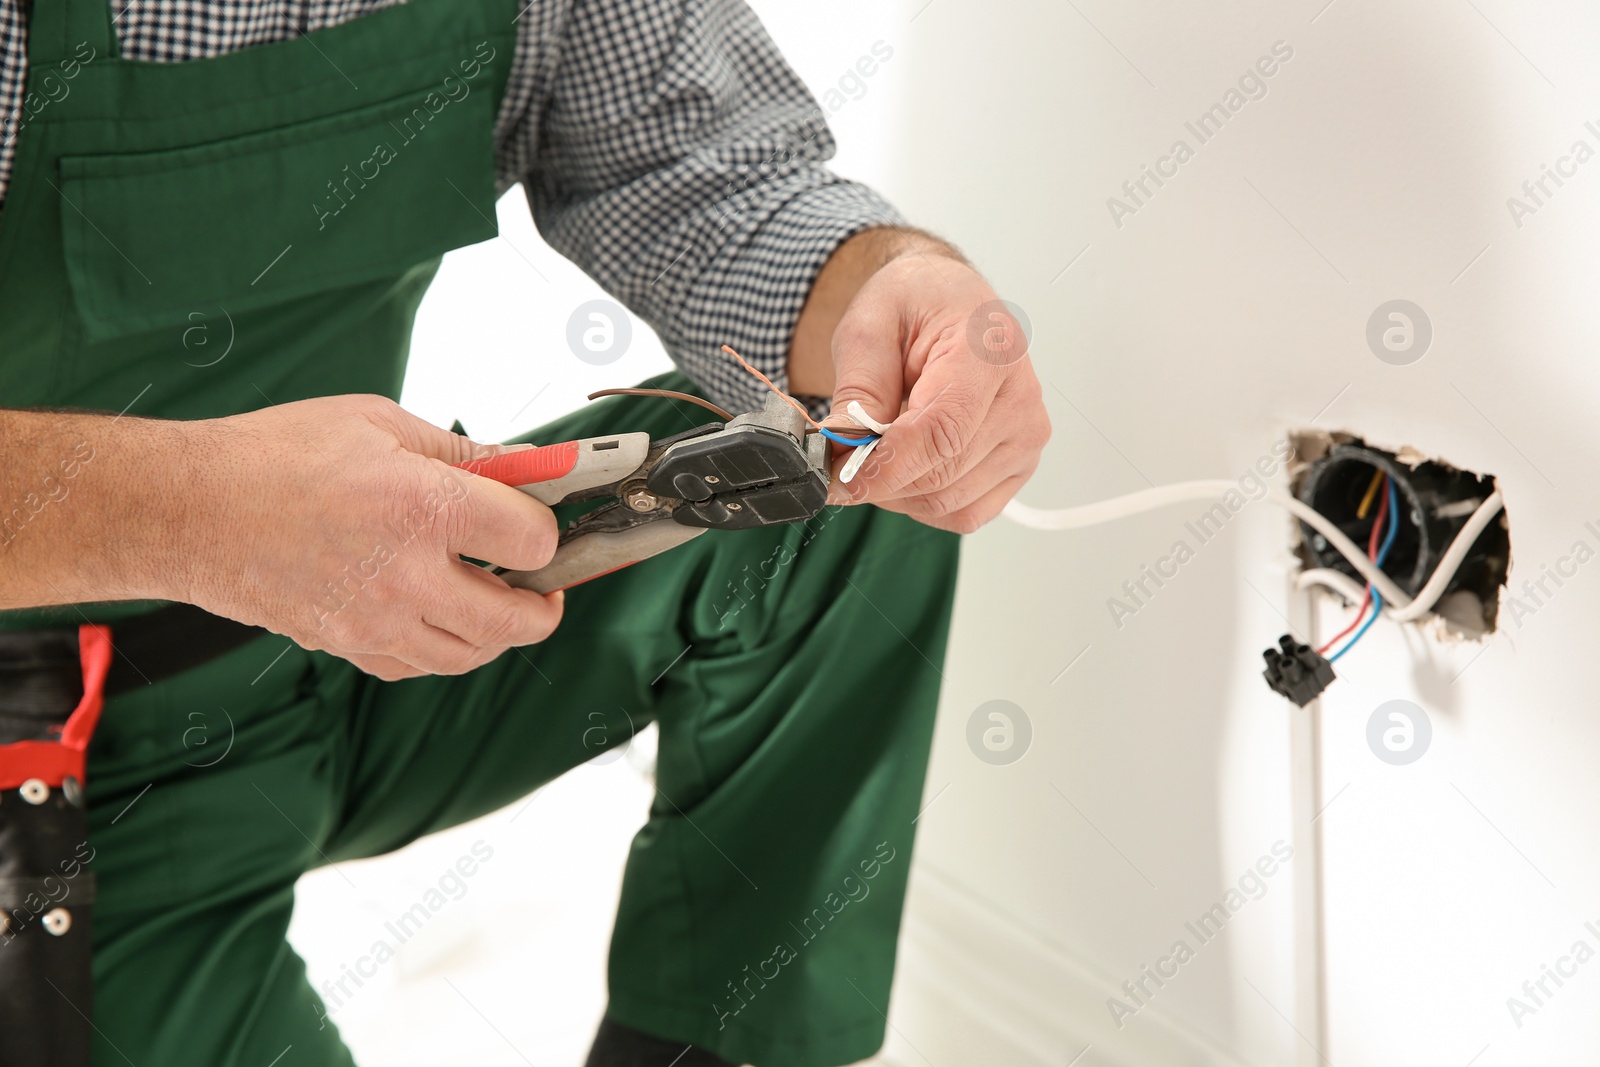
{"x": 735, "y": 506}
{"x": 712, "y": 479}
{"x": 641, "y": 499}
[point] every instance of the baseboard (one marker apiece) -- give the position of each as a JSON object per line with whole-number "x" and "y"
{"x": 974, "y": 986}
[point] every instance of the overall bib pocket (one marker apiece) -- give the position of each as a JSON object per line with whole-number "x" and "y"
{"x": 258, "y": 220}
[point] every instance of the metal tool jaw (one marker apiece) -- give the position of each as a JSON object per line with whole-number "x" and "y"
{"x": 759, "y": 469}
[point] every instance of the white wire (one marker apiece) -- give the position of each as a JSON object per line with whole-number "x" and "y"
{"x": 1401, "y": 607}
{"x": 1209, "y": 489}
{"x": 1430, "y": 593}
{"x": 1329, "y": 578}
{"x": 858, "y": 457}
{"x": 1117, "y": 507}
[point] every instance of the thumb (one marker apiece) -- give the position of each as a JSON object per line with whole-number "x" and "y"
{"x": 425, "y": 439}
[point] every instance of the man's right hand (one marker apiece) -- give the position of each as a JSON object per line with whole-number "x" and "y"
{"x": 337, "y": 522}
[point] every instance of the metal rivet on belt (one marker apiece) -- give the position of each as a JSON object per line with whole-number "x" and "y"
{"x": 72, "y": 790}
{"x": 57, "y": 921}
{"x": 34, "y": 791}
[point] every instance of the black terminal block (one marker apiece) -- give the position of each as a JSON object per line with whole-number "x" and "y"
{"x": 1296, "y": 671}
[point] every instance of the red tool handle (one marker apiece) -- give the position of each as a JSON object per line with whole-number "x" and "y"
{"x": 527, "y": 465}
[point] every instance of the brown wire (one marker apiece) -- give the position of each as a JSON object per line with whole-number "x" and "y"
{"x": 791, "y": 401}
{"x": 726, "y": 416}
{"x": 671, "y": 394}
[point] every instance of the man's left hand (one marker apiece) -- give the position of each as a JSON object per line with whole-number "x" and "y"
{"x": 921, "y": 340}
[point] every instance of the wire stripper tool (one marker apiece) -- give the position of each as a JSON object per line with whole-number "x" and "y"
{"x": 759, "y": 469}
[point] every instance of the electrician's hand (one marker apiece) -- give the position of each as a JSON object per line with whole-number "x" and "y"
{"x": 923, "y": 341}
{"x": 339, "y": 523}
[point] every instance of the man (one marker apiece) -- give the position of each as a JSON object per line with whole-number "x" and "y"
{"x": 293, "y": 168}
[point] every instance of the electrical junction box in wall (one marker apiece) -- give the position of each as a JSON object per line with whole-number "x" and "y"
{"x": 1334, "y": 473}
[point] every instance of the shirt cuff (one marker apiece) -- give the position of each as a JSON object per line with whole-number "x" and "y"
{"x": 751, "y": 299}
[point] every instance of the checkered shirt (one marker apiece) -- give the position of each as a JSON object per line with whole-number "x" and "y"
{"x": 665, "y": 147}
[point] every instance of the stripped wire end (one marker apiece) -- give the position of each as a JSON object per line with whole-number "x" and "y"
{"x": 833, "y": 435}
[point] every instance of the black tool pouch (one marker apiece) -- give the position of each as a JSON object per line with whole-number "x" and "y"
{"x": 46, "y": 890}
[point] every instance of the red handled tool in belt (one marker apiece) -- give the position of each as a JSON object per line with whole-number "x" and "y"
{"x": 759, "y": 469}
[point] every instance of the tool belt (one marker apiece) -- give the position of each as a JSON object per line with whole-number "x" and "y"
{"x": 53, "y": 685}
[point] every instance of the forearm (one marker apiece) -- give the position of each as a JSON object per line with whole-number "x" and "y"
{"x": 842, "y": 276}
{"x": 340, "y": 522}
{"x": 92, "y": 507}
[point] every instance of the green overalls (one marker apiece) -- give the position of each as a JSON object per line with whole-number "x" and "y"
{"x": 294, "y": 199}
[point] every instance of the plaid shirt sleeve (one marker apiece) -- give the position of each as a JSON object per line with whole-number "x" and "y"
{"x": 679, "y": 161}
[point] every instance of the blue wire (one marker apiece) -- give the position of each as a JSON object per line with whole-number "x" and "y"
{"x": 1383, "y": 553}
{"x": 850, "y": 442}
{"x": 1377, "y": 606}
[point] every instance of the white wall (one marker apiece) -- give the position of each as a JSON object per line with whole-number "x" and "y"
{"x": 1229, "y": 308}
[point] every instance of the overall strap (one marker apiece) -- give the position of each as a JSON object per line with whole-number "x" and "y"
{"x": 60, "y": 28}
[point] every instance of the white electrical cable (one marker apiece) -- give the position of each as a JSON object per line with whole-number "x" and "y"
{"x": 1161, "y": 496}
{"x": 1338, "y": 581}
{"x": 858, "y": 457}
{"x": 1430, "y": 593}
{"x": 1399, "y": 606}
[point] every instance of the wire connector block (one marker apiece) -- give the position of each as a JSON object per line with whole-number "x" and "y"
{"x": 1296, "y": 671}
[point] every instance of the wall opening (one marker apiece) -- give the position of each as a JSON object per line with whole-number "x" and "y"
{"x": 1334, "y": 473}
